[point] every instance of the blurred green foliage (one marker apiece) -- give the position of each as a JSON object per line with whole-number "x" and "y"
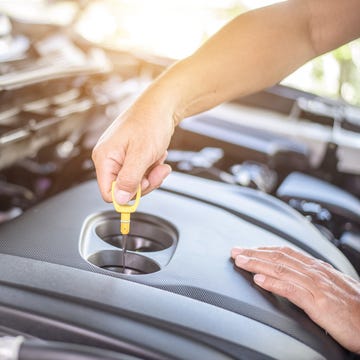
{"x": 349, "y": 72}
{"x": 343, "y": 66}
{"x": 335, "y": 75}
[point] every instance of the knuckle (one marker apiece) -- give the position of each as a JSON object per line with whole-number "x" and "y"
{"x": 325, "y": 264}
{"x": 128, "y": 183}
{"x": 248, "y": 263}
{"x": 285, "y": 250}
{"x": 289, "y": 290}
{"x": 326, "y": 286}
{"x": 329, "y": 277}
{"x": 276, "y": 256}
{"x": 322, "y": 301}
{"x": 156, "y": 184}
{"x": 322, "y": 284}
{"x": 106, "y": 197}
{"x": 314, "y": 272}
{"x": 247, "y": 252}
{"x": 280, "y": 269}
{"x": 290, "y": 252}
{"x": 314, "y": 263}
{"x": 105, "y": 194}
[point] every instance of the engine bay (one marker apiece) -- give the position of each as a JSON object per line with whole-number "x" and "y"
{"x": 283, "y": 165}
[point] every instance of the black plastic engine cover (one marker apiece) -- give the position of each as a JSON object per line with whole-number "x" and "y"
{"x": 197, "y": 289}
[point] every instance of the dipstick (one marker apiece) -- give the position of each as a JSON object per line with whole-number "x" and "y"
{"x": 125, "y": 210}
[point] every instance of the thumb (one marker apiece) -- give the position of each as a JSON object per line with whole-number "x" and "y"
{"x": 128, "y": 179}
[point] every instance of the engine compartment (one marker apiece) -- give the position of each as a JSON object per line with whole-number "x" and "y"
{"x": 281, "y": 163}
{"x": 197, "y": 267}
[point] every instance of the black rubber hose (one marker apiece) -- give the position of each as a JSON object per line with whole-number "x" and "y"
{"x": 49, "y": 350}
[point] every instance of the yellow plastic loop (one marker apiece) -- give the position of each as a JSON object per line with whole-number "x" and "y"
{"x": 125, "y": 210}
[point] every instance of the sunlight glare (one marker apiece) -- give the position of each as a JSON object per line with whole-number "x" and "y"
{"x": 172, "y": 29}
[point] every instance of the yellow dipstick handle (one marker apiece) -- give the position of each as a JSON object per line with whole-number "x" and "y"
{"x": 125, "y": 210}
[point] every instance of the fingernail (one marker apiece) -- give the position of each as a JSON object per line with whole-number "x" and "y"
{"x": 122, "y": 197}
{"x": 259, "y": 279}
{"x": 169, "y": 170}
{"x": 241, "y": 260}
{"x": 144, "y": 184}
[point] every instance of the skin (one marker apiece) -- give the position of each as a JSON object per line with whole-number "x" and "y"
{"x": 255, "y": 50}
{"x": 328, "y": 297}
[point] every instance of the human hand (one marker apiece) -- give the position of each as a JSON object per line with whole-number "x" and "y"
{"x": 133, "y": 150}
{"x": 330, "y": 298}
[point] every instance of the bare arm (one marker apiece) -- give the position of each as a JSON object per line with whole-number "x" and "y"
{"x": 255, "y": 50}
{"x": 260, "y": 48}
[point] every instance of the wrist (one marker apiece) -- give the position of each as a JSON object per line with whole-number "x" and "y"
{"x": 180, "y": 91}
{"x": 174, "y": 91}
{"x": 190, "y": 87}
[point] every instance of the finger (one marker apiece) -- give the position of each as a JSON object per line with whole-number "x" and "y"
{"x": 135, "y": 164}
{"x": 157, "y": 176}
{"x": 306, "y": 259}
{"x": 144, "y": 185}
{"x": 338, "y": 315}
{"x": 326, "y": 273}
{"x": 277, "y": 261}
{"x": 294, "y": 292}
{"x": 317, "y": 269}
{"x": 275, "y": 255}
{"x": 156, "y": 163}
{"x": 277, "y": 270}
{"x": 320, "y": 306}
{"x": 106, "y": 172}
{"x": 163, "y": 158}
{"x": 321, "y": 273}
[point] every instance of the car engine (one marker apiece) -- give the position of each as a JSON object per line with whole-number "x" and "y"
{"x": 283, "y": 164}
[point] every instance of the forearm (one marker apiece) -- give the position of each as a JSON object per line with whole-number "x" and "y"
{"x": 254, "y": 51}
